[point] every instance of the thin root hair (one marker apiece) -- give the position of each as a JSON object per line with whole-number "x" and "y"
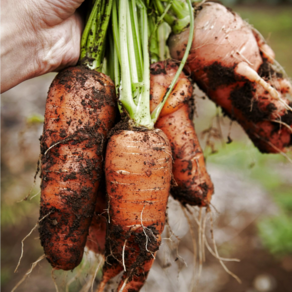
{"x": 284, "y": 124}
{"x": 147, "y": 237}
{"x": 195, "y": 248}
{"x": 54, "y": 280}
{"x": 33, "y": 265}
{"x": 22, "y": 241}
{"x": 100, "y": 262}
{"x": 123, "y": 255}
{"x": 217, "y": 254}
{"x": 74, "y": 278}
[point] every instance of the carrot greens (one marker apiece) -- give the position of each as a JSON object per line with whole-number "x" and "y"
{"x": 136, "y": 45}
{"x": 94, "y": 34}
{"x": 160, "y": 11}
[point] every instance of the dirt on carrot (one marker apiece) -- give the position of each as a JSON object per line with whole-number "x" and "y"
{"x": 193, "y": 183}
{"x": 235, "y": 67}
{"x": 80, "y": 110}
{"x": 138, "y": 174}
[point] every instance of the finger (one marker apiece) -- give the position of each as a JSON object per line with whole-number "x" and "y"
{"x": 53, "y": 12}
{"x": 64, "y": 8}
{"x": 62, "y": 45}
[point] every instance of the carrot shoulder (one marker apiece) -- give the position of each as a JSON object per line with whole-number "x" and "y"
{"x": 80, "y": 110}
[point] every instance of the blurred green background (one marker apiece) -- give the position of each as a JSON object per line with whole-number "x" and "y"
{"x": 264, "y": 244}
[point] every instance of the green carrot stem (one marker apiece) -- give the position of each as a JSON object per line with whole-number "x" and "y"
{"x": 136, "y": 38}
{"x": 153, "y": 41}
{"x": 98, "y": 53}
{"x": 132, "y": 68}
{"x": 178, "y": 9}
{"x": 168, "y": 18}
{"x": 116, "y": 71}
{"x": 93, "y": 37}
{"x": 143, "y": 116}
{"x": 87, "y": 29}
{"x": 133, "y": 55}
{"x": 156, "y": 112}
{"x": 110, "y": 70}
{"x": 160, "y": 19}
{"x": 115, "y": 29}
{"x": 180, "y": 20}
{"x": 126, "y": 96}
{"x": 163, "y": 32}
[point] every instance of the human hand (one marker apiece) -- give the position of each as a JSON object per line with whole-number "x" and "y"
{"x": 37, "y": 37}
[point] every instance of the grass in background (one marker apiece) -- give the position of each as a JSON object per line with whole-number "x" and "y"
{"x": 266, "y": 169}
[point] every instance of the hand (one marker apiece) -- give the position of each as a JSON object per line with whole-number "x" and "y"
{"x": 37, "y": 37}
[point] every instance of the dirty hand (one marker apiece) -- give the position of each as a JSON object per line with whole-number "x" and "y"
{"x": 37, "y": 36}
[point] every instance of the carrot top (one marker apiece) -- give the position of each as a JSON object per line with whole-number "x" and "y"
{"x": 131, "y": 48}
{"x": 174, "y": 12}
{"x": 129, "y": 59}
{"x": 94, "y": 35}
{"x": 185, "y": 13}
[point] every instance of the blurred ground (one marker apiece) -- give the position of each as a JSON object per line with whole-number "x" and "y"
{"x": 249, "y": 187}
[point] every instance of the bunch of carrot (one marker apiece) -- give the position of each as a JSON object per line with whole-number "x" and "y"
{"x": 155, "y": 139}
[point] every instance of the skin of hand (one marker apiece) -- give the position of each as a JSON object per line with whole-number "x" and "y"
{"x": 37, "y": 37}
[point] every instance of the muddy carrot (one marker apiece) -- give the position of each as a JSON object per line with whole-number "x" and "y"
{"x": 138, "y": 158}
{"x": 194, "y": 186}
{"x": 80, "y": 110}
{"x": 233, "y": 65}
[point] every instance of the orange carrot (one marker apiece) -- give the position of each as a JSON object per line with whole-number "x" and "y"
{"x": 80, "y": 110}
{"x": 138, "y": 173}
{"x": 232, "y": 63}
{"x": 194, "y": 186}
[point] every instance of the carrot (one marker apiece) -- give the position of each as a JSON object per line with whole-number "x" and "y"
{"x": 80, "y": 110}
{"x": 97, "y": 230}
{"x": 194, "y": 186}
{"x": 138, "y": 173}
{"x": 138, "y": 158}
{"x": 231, "y": 62}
